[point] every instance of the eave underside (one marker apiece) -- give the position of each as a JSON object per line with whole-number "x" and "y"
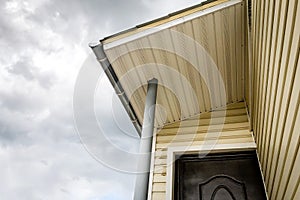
{"x": 199, "y": 63}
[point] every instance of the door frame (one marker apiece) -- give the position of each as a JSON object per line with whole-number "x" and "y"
{"x": 172, "y": 152}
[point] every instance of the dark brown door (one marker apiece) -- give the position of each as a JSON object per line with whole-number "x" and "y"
{"x": 230, "y": 176}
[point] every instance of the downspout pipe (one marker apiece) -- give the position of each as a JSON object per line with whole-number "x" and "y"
{"x": 110, "y": 73}
{"x": 142, "y": 178}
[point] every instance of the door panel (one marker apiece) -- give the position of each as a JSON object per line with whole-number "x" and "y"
{"x": 222, "y": 187}
{"x": 232, "y": 176}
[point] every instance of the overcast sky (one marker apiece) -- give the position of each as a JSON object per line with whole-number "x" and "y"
{"x": 44, "y": 48}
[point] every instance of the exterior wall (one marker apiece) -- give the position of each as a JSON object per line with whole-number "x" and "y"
{"x": 192, "y": 132}
{"x": 247, "y": 59}
{"x": 276, "y": 116}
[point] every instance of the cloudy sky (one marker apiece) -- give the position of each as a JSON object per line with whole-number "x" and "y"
{"x": 44, "y": 49}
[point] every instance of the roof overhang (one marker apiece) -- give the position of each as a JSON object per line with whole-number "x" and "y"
{"x": 197, "y": 55}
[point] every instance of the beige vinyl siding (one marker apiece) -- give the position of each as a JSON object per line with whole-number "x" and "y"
{"x": 276, "y": 117}
{"x": 176, "y": 55}
{"x": 263, "y": 71}
{"x": 194, "y": 132}
{"x": 247, "y": 60}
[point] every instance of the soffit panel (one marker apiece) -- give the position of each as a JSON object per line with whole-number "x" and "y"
{"x": 183, "y": 58}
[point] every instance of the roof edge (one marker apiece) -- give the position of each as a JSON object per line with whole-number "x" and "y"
{"x": 98, "y": 50}
{"x": 143, "y": 25}
{"x": 135, "y": 33}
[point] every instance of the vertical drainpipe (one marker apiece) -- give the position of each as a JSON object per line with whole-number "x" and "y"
{"x": 146, "y": 133}
{"x": 142, "y": 179}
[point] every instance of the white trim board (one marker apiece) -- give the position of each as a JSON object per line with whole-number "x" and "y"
{"x": 173, "y": 151}
{"x": 151, "y": 173}
{"x": 170, "y": 24}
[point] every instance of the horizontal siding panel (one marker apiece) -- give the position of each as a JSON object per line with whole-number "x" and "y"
{"x": 216, "y": 113}
{"x": 205, "y": 128}
{"x": 200, "y": 136}
{"x": 158, "y": 178}
{"x": 235, "y": 131}
{"x": 159, "y": 187}
{"x": 207, "y": 121}
{"x": 158, "y": 195}
{"x": 159, "y": 169}
{"x": 232, "y": 140}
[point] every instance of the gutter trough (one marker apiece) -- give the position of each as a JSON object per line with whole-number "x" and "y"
{"x": 106, "y": 65}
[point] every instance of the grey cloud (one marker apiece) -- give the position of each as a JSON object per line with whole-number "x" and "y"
{"x": 22, "y": 68}
{"x": 23, "y": 100}
{"x": 97, "y": 18}
{"x": 17, "y": 40}
{"x": 14, "y": 128}
{"x": 25, "y": 68}
{"x": 27, "y": 117}
{"x": 42, "y": 156}
{"x": 46, "y": 181}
